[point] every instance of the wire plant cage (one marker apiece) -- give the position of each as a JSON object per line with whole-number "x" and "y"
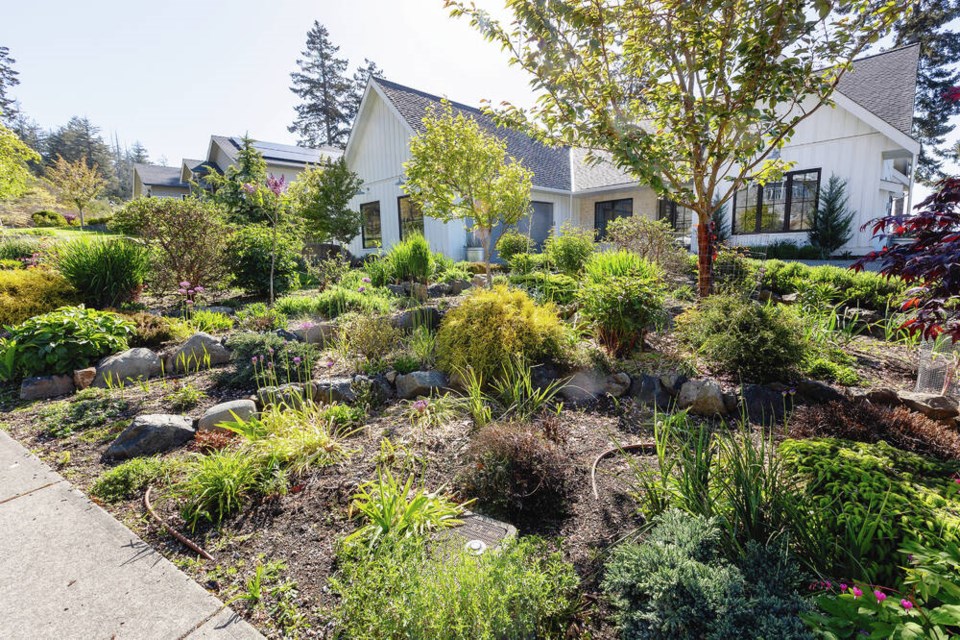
{"x": 937, "y": 371}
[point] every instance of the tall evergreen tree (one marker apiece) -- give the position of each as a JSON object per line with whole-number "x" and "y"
{"x": 323, "y": 117}
{"x": 8, "y": 80}
{"x": 138, "y": 154}
{"x": 364, "y": 72}
{"x": 830, "y": 221}
{"x": 929, "y": 23}
{"x": 80, "y": 138}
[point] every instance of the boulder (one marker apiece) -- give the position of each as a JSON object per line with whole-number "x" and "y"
{"x": 932, "y": 405}
{"x": 649, "y": 390}
{"x": 672, "y": 382}
{"x": 390, "y": 376}
{"x": 438, "y": 290}
{"x": 458, "y": 286}
{"x": 226, "y": 412}
{"x": 151, "y": 434}
{"x": 289, "y": 336}
{"x": 702, "y": 398}
{"x": 815, "y": 392}
{"x": 290, "y": 394}
{"x": 617, "y": 384}
{"x": 419, "y": 383}
{"x": 333, "y": 390}
{"x": 316, "y": 332}
{"x": 585, "y": 385}
{"x": 397, "y": 289}
{"x": 128, "y": 366}
{"x": 764, "y": 405}
{"x": 410, "y": 319}
{"x": 790, "y": 298}
{"x": 83, "y": 378}
{"x": 882, "y": 395}
{"x": 479, "y": 280}
{"x": 197, "y": 352}
{"x": 41, "y": 387}
{"x": 376, "y": 389}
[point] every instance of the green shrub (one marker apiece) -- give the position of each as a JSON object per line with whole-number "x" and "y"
{"x": 652, "y": 240}
{"x": 823, "y": 368}
{"x": 65, "y": 340}
{"x": 153, "y": 331}
{"x": 408, "y": 590}
{"x": 273, "y": 348}
{"x": 48, "y": 219}
{"x": 410, "y": 260}
{"x": 552, "y": 287}
{"x": 125, "y": 480}
{"x": 217, "y": 485}
{"x": 787, "y": 250}
{"x": 335, "y": 301}
{"x": 526, "y": 263}
{"x": 866, "y": 501}
{"x": 756, "y": 342}
{"x": 864, "y": 289}
{"x": 107, "y": 273}
{"x": 733, "y": 271}
{"x": 259, "y": 317}
{"x": 210, "y": 321}
{"x": 569, "y": 250}
{"x": 492, "y": 326}
{"x": 89, "y": 409}
{"x": 511, "y": 243}
{"x": 10, "y": 264}
{"x": 622, "y": 296}
{"x": 368, "y": 337}
{"x": 18, "y": 248}
{"x": 25, "y": 293}
{"x": 249, "y": 258}
{"x": 676, "y": 584}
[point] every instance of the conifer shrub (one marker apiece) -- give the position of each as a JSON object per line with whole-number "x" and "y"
{"x": 25, "y": 293}
{"x": 511, "y": 243}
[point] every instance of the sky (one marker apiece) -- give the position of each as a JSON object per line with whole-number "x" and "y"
{"x": 172, "y": 73}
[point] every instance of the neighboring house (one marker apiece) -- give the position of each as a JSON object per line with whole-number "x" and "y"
{"x": 864, "y": 138}
{"x": 281, "y": 160}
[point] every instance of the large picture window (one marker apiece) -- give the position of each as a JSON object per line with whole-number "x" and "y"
{"x": 609, "y": 210}
{"x": 411, "y": 217}
{"x": 785, "y": 205}
{"x": 679, "y": 217}
{"x": 370, "y": 231}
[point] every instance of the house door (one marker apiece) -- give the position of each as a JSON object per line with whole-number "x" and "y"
{"x": 538, "y": 224}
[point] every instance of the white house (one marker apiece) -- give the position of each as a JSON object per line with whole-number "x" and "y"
{"x": 865, "y": 139}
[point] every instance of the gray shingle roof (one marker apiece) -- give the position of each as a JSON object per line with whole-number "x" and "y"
{"x": 158, "y": 176}
{"x": 599, "y": 173}
{"x": 550, "y": 165}
{"x": 886, "y": 85}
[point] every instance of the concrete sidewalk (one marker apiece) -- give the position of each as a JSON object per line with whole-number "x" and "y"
{"x": 69, "y": 570}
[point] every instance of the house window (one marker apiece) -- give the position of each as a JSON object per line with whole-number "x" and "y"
{"x": 609, "y": 210}
{"x": 370, "y": 225}
{"x": 680, "y": 217}
{"x": 411, "y": 217}
{"x": 785, "y": 205}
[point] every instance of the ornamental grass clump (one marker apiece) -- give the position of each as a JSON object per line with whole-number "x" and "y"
{"x": 106, "y": 273}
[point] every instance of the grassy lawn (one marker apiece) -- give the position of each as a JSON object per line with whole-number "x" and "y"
{"x": 60, "y": 234}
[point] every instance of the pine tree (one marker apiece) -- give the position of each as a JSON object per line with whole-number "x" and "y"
{"x": 323, "y": 118}
{"x": 80, "y": 138}
{"x": 138, "y": 154}
{"x": 364, "y": 72}
{"x": 929, "y": 23}
{"x": 830, "y": 222}
{"x": 8, "y": 80}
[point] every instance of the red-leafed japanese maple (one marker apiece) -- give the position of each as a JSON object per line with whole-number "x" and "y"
{"x": 928, "y": 257}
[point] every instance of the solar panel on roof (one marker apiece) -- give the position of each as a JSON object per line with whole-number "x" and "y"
{"x": 283, "y": 152}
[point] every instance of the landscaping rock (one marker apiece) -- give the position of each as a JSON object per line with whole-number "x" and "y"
{"x": 151, "y": 434}
{"x": 391, "y": 376}
{"x": 542, "y": 376}
{"x": 376, "y": 387}
{"x": 226, "y": 412}
{"x": 617, "y": 384}
{"x": 291, "y": 394}
{"x": 333, "y": 390}
{"x": 317, "y": 333}
{"x": 128, "y": 366}
{"x": 764, "y": 405}
{"x": 649, "y": 390}
{"x": 397, "y": 289}
{"x": 585, "y": 385}
{"x": 196, "y": 352}
{"x": 41, "y": 387}
{"x": 83, "y": 378}
{"x": 672, "y": 382}
{"x": 702, "y": 398}
{"x": 289, "y": 336}
{"x": 882, "y": 395}
{"x": 419, "y": 383}
{"x": 458, "y": 286}
{"x": 479, "y": 280}
{"x": 438, "y": 290}
{"x": 410, "y": 319}
{"x": 789, "y": 298}
{"x": 815, "y": 392}
{"x": 935, "y": 407}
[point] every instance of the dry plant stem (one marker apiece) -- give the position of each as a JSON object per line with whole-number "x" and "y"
{"x": 640, "y": 446}
{"x": 176, "y": 534}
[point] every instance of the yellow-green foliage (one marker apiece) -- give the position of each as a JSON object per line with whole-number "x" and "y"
{"x": 25, "y": 293}
{"x": 493, "y": 325}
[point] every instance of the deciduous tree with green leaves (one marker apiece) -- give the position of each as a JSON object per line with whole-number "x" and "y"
{"x": 459, "y": 171}
{"x": 690, "y": 96}
{"x": 78, "y": 183}
{"x": 321, "y": 197}
{"x": 229, "y": 188}
{"x": 15, "y": 175}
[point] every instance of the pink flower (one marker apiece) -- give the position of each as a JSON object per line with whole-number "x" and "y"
{"x": 856, "y": 592}
{"x": 420, "y": 405}
{"x": 361, "y": 289}
{"x": 182, "y": 292}
{"x": 881, "y": 596}
{"x": 189, "y": 301}
{"x": 249, "y": 188}
{"x": 277, "y": 185}
{"x": 184, "y": 285}
{"x": 253, "y": 359}
{"x": 367, "y": 280}
{"x": 843, "y": 586}
{"x": 296, "y": 360}
{"x": 906, "y": 604}
{"x": 199, "y": 289}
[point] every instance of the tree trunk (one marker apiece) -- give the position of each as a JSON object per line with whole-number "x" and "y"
{"x": 80, "y": 209}
{"x": 487, "y": 234}
{"x": 704, "y": 258}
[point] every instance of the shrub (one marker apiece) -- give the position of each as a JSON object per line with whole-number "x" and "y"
{"x": 552, "y": 287}
{"x": 280, "y": 352}
{"x": 125, "y": 480}
{"x": 410, "y": 260}
{"x": 866, "y": 501}
{"x": 10, "y": 264}
{"x": 756, "y": 342}
{"x": 622, "y": 296}
{"x": 864, "y": 289}
{"x": 107, "y": 273}
{"x": 515, "y": 472}
{"x": 335, "y": 301}
{"x": 652, "y": 240}
{"x": 494, "y": 325}
{"x": 210, "y": 321}
{"x": 259, "y": 317}
{"x": 676, "y": 584}
{"x": 526, "y": 263}
{"x": 153, "y": 331}
{"x": 249, "y": 257}
{"x": 48, "y": 219}
{"x": 408, "y": 590}
{"x": 217, "y": 485}
{"x": 865, "y": 421}
{"x": 29, "y": 292}
{"x": 569, "y": 250}
{"x": 367, "y": 336}
{"x": 733, "y": 271}
{"x": 89, "y": 409}
{"x": 19, "y": 249}
{"x": 511, "y": 243}
{"x": 189, "y": 239}
{"x": 64, "y": 340}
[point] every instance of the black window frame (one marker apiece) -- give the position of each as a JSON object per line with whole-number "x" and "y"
{"x": 601, "y": 231}
{"x": 363, "y": 225}
{"x": 423, "y": 228}
{"x": 756, "y": 191}
{"x": 670, "y": 211}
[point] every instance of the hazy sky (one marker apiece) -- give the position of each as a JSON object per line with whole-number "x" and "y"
{"x": 171, "y": 73}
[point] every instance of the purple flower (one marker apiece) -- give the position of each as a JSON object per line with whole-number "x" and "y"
{"x": 843, "y": 586}
{"x": 420, "y": 405}
{"x": 184, "y": 285}
{"x": 367, "y": 280}
{"x": 906, "y": 604}
{"x": 189, "y": 301}
{"x": 261, "y": 357}
{"x": 253, "y": 359}
{"x": 199, "y": 289}
{"x": 329, "y": 363}
{"x": 270, "y": 350}
{"x": 182, "y": 292}
{"x": 190, "y": 291}
{"x": 277, "y": 185}
{"x": 361, "y": 289}
{"x": 856, "y": 592}
{"x": 269, "y": 365}
{"x": 880, "y": 595}
{"x": 296, "y": 360}
{"x": 249, "y": 188}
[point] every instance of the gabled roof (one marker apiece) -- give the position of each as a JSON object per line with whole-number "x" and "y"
{"x": 550, "y": 165}
{"x": 885, "y": 84}
{"x": 158, "y": 176}
{"x": 274, "y": 152}
{"x": 596, "y": 174}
